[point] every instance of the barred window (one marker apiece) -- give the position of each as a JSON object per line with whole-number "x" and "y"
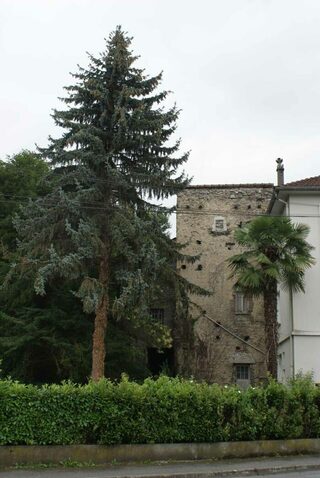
{"x": 242, "y": 372}
{"x": 158, "y": 315}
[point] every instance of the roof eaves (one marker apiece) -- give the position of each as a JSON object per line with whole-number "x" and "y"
{"x": 230, "y": 186}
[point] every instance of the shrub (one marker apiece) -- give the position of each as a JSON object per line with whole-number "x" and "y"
{"x": 166, "y": 410}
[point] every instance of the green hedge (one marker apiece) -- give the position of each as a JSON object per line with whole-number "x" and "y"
{"x": 162, "y": 411}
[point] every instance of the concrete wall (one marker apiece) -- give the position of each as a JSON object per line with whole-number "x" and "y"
{"x": 303, "y": 323}
{"x": 307, "y": 306}
{"x": 285, "y": 360}
{"x": 203, "y": 349}
{"x": 99, "y": 454}
{"x": 307, "y": 355}
{"x": 284, "y": 314}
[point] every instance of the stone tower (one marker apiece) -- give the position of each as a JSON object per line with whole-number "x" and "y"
{"x": 222, "y": 340}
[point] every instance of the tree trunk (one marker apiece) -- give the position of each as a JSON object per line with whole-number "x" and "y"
{"x": 100, "y": 324}
{"x": 271, "y": 328}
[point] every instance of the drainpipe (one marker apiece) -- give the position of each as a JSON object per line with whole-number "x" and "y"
{"x": 280, "y": 180}
{"x": 292, "y": 368}
{"x": 291, "y": 335}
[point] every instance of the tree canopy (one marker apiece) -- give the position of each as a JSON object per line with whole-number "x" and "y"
{"x": 48, "y": 338}
{"x": 100, "y": 226}
{"x": 275, "y": 252}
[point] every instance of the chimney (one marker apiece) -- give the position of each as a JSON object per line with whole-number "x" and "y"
{"x": 280, "y": 172}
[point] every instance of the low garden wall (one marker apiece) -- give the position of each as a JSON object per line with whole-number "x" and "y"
{"x": 113, "y": 454}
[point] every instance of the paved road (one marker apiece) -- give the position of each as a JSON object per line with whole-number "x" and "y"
{"x": 89, "y": 474}
{"x": 309, "y": 468}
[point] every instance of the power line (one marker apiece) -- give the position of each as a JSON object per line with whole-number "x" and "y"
{"x": 97, "y": 205}
{"x": 218, "y": 324}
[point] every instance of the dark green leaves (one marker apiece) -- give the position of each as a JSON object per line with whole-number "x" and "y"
{"x": 162, "y": 411}
{"x": 275, "y": 250}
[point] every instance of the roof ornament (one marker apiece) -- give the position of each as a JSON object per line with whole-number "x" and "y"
{"x": 280, "y": 171}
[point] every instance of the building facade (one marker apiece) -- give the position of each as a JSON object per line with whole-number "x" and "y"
{"x": 299, "y": 313}
{"x": 222, "y": 339}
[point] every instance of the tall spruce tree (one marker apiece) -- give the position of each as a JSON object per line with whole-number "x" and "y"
{"x": 112, "y": 162}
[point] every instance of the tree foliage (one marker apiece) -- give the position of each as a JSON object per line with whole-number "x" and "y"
{"x": 48, "y": 338}
{"x": 275, "y": 250}
{"x": 21, "y": 178}
{"x": 38, "y": 340}
{"x": 162, "y": 411}
{"x": 100, "y": 226}
{"x": 275, "y": 253}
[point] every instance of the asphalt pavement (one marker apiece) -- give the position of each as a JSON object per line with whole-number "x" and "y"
{"x": 306, "y": 466}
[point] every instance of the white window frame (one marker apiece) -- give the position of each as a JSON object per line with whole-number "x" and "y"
{"x": 219, "y": 219}
{"x": 241, "y": 303}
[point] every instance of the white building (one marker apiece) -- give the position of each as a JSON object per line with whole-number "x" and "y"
{"x": 299, "y": 313}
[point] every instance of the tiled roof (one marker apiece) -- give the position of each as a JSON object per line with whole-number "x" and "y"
{"x": 308, "y": 182}
{"x": 229, "y": 186}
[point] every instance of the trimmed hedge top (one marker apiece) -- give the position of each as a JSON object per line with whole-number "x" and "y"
{"x": 158, "y": 411}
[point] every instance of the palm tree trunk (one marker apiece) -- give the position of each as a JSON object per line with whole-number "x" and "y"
{"x": 271, "y": 328}
{"x": 100, "y": 324}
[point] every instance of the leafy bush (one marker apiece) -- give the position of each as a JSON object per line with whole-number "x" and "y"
{"x": 166, "y": 410}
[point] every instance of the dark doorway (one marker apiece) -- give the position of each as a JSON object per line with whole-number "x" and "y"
{"x": 161, "y": 361}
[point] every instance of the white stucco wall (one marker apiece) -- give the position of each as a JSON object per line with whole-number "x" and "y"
{"x": 306, "y": 306}
{"x": 284, "y": 314}
{"x": 307, "y": 355}
{"x": 304, "y": 321}
{"x": 284, "y": 361}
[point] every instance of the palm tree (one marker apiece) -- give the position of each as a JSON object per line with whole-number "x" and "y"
{"x": 276, "y": 252}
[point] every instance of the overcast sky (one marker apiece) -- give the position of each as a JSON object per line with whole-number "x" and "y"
{"x": 246, "y": 74}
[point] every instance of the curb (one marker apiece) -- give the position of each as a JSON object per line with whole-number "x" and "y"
{"x": 248, "y": 472}
{"x": 100, "y": 454}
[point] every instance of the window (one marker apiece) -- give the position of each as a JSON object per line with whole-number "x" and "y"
{"x": 242, "y": 372}
{"x": 241, "y": 303}
{"x": 219, "y": 224}
{"x": 157, "y": 315}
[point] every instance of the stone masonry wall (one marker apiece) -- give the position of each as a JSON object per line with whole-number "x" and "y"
{"x": 203, "y": 349}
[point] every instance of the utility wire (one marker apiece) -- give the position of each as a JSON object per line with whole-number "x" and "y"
{"x": 95, "y": 205}
{"x": 218, "y": 324}
{"x": 90, "y": 204}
